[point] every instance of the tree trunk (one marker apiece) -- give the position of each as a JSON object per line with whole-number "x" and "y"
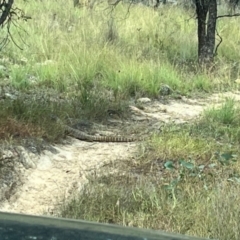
{"x": 76, "y": 3}
{"x": 6, "y": 7}
{"x": 207, "y": 16}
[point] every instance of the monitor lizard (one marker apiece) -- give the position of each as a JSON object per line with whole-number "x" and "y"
{"x": 90, "y": 138}
{"x": 78, "y": 134}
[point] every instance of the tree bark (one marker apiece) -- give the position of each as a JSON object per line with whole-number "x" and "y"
{"x": 6, "y": 7}
{"x": 207, "y": 16}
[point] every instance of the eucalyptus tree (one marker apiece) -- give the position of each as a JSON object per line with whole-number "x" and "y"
{"x": 207, "y": 16}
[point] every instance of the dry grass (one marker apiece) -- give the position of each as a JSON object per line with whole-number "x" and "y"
{"x": 86, "y": 61}
{"x": 184, "y": 181}
{"x": 99, "y": 58}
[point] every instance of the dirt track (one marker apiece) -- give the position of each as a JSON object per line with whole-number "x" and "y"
{"x": 52, "y": 177}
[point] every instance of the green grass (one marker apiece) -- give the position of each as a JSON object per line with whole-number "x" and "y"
{"x": 184, "y": 180}
{"x": 79, "y": 63}
{"x": 226, "y": 115}
{"x": 221, "y": 123}
{"x": 98, "y": 56}
{"x": 189, "y": 208}
{"x": 134, "y": 53}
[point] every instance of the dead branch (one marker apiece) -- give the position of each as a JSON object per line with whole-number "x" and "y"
{"x": 229, "y": 15}
{"x": 8, "y": 16}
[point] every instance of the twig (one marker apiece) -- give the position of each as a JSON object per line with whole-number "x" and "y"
{"x": 229, "y": 15}
{"x": 215, "y": 53}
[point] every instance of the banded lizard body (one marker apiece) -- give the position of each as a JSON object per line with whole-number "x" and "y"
{"x": 78, "y": 134}
{"x": 90, "y": 138}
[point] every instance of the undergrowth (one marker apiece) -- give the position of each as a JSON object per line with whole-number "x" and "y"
{"x": 130, "y": 54}
{"x": 34, "y": 113}
{"x": 79, "y": 63}
{"x": 103, "y": 57}
{"x": 184, "y": 180}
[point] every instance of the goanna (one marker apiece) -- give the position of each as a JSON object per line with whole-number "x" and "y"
{"x": 90, "y": 138}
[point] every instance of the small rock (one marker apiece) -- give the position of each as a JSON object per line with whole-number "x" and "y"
{"x": 29, "y": 160}
{"x": 144, "y": 100}
{"x": 165, "y": 90}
